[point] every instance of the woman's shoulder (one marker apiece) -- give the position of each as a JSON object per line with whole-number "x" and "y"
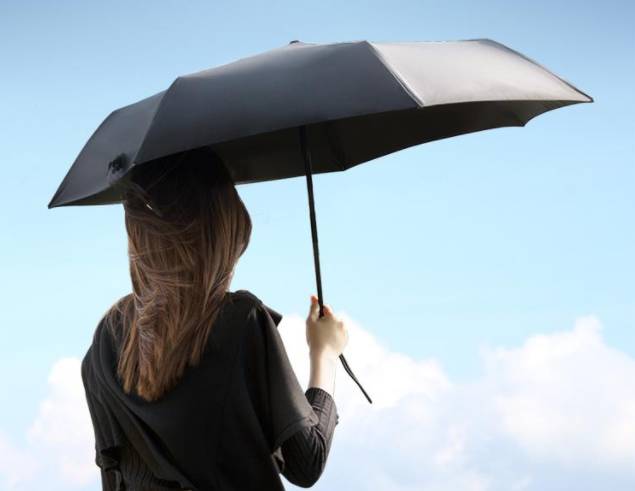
{"x": 253, "y": 302}
{"x": 245, "y": 296}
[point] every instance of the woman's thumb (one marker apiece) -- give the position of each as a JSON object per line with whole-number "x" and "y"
{"x": 315, "y": 308}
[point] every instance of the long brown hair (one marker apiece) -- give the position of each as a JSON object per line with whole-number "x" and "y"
{"x": 187, "y": 227}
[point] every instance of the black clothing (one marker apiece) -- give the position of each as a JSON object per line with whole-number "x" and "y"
{"x": 234, "y": 422}
{"x": 306, "y": 451}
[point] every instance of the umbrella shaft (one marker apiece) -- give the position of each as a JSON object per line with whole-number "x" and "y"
{"x": 309, "y": 184}
{"x": 306, "y": 153}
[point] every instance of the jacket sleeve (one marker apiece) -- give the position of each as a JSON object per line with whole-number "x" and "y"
{"x": 305, "y": 453}
{"x": 108, "y": 437}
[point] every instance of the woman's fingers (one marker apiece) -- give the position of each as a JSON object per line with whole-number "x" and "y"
{"x": 314, "y": 312}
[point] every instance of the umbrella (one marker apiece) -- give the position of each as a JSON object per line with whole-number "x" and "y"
{"x": 309, "y": 108}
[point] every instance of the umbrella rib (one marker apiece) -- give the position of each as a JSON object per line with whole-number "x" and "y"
{"x": 154, "y": 116}
{"x": 396, "y": 76}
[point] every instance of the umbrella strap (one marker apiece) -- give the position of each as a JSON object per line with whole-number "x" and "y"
{"x": 316, "y": 252}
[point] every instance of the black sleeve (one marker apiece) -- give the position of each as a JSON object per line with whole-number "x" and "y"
{"x": 106, "y": 457}
{"x": 305, "y": 453}
{"x": 109, "y": 480}
{"x": 106, "y": 432}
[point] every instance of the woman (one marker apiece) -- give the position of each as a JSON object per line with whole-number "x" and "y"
{"x": 188, "y": 384}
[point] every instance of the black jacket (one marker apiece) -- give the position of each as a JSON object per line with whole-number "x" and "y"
{"x": 224, "y": 425}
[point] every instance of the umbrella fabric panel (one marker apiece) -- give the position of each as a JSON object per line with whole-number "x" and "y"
{"x": 446, "y": 72}
{"x": 108, "y": 155}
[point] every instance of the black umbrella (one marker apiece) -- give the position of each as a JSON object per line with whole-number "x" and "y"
{"x": 308, "y": 108}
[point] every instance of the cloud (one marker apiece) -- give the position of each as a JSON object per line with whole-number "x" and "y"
{"x": 63, "y": 429}
{"x": 15, "y": 464}
{"x": 58, "y": 453}
{"x": 557, "y": 412}
{"x": 568, "y": 398}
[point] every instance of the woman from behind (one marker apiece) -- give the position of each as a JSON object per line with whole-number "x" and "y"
{"x": 182, "y": 330}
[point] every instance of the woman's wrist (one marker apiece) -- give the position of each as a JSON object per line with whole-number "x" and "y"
{"x": 323, "y": 354}
{"x": 323, "y": 370}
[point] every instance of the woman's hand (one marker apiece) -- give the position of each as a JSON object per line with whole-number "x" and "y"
{"x": 327, "y": 335}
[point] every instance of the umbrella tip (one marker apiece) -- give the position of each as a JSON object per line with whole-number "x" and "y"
{"x": 294, "y": 41}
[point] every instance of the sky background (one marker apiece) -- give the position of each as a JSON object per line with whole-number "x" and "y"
{"x": 488, "y": 279}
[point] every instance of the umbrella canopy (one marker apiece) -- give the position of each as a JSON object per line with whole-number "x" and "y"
{"x": 359, "y": 100}
{"x": 308, "y": 108}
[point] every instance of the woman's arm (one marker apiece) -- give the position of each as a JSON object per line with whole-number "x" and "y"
{"x": 305, "y": 453}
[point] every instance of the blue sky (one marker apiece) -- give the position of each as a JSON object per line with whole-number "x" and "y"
{"x": 440, "y": 251}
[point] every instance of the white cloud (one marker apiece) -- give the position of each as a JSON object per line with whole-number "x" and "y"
{"x": 568, "y": 397}
{"x": 58, "y": 453}
{"x": 557, "y": 412}
{"x": 62, "y": 428}
{"x": 15, "y": 464}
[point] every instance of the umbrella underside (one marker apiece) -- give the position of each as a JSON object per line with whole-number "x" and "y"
{"x": 341, "y": 144}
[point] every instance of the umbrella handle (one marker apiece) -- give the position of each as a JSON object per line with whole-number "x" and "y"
{"x": 316, "y": 253}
